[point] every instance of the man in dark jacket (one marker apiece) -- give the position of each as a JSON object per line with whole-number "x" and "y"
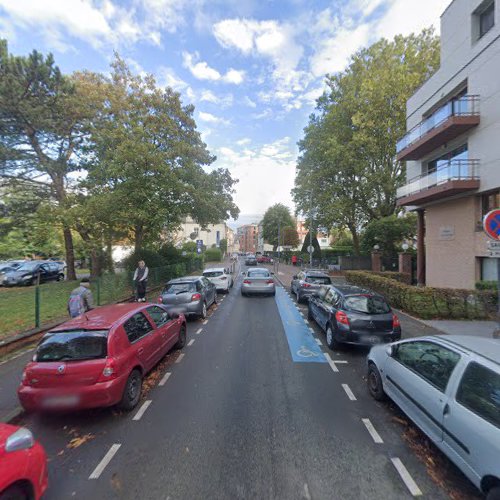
{"x": 141, "y": 281}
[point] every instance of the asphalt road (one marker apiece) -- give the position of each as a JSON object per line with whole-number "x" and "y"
{"x": 238, "y": 418}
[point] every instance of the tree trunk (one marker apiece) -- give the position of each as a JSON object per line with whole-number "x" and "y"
{"x": 70, "y": 253}
{"x": 109, "y": 256}
{"x": 139, "y": 237}
{"x": 355, "y": 239}
{"x": 95, "y": 263}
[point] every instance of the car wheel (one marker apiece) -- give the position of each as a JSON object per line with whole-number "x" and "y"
{"x": 493, "y": 493}
{"x": 60, "y": 277}
{"x": 181, "y": 342}
{"x": 375, "y": 386}
{"x": 132, "y": 392}
{"x": 15, "y": 492}
{"x": 215, "y": 299}
{"x": 330, "y": 339}
{"x": 299, "y": 298}
{"x": 309, "y": 313}
{"x": 243, "y": 294}
{"x": 203, "y": 314}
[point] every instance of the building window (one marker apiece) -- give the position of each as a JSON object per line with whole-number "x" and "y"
{"x": 486, "y": 19}
{"x": 488, "y": 269}
{"x": 456, "y": 155}
{"x": 489, "y": 202}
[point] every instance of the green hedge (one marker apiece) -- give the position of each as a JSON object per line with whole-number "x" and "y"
{"x": 486, "y": 285}
{"x": 401, "y": 277}
{"x": 427, "y": 302}
{"x": 213, "y": 255}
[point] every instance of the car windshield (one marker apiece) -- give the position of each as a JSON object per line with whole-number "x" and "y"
{"x": 258, "y": 274}
{"x": 319, "y": 280}
{"x": 367, "y": 304}
{"x": 212, "y": 274}
{"x": 29, "y": 266}
{"x": 176, "y": 288}
{"x": 75, "y": 345}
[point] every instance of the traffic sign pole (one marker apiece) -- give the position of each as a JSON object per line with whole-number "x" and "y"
{"x": 491, "y": 226}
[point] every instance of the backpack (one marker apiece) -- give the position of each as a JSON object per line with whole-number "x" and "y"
{"x": 76, "y": 305}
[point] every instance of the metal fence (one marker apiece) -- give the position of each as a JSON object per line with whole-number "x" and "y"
{"x": 26, "y": 308}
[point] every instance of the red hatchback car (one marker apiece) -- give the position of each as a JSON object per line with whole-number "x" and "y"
{"x": 100, "y": 358}
{"x": 23, "y": 464}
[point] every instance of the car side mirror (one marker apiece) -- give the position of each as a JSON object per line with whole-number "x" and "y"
{"x": 173, "y": 315}
{"x": 389, "y": 350}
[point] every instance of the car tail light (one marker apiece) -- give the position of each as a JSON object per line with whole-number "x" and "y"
{"x": 109, "y": 371}
{"x": 305, "y": 285}
{"x": 342, "y": 318}
{"x": 395, "y": 321}
{"x": 269, "y": 282}
{"x": 247, "y": 282}
{"x": 195, "y": 296}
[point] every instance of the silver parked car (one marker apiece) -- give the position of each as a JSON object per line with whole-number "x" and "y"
{"x": 258, "y": 281}
{"x": 306, "y": 283}
{"x": 191, "y": 296}
{"x": 450, "y": 387}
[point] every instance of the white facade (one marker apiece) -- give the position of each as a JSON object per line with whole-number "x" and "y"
{"x": 456, "y": 178}
{"x": 211, "y": 235}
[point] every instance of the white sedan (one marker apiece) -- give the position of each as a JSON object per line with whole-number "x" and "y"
{"x": 220, "y": 277}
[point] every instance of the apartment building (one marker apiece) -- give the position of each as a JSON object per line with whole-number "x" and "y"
{"x": 212, "y": 234}
{"x": 452, "y": 149}
{"x": 248, "y": 237}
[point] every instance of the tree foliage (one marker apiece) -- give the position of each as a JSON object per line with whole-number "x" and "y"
{"x": 290, "y": 237}
{"x": 276, "y": 218}
{"x": 389, "y": 233}
{"x": 347, "y": 165}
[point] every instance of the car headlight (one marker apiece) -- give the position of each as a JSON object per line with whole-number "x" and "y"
{"x": 22, "y": 439}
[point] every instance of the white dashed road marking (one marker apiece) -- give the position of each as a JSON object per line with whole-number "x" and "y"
{"x": 105, "y": 461}
{"x": 205, "y": 322}
{"x": 349, "y": 393}
{"x": 199, "y": 331}
{"x": 142, "y": 410}
{"x": 373, "y": 433}
{"x": 318, "y": 342}
{"x": 191, "y": 342}
{"x": 331, "y": 363}
{"x": 311, "y": 330}
{"x": 179, "y": 359}
{"x": 405, "y": 476}
{"x": 163, "y": 381}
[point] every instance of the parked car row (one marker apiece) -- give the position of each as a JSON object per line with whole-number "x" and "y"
{"x": 448, "y": 385}
{"x": 30, "y": 272}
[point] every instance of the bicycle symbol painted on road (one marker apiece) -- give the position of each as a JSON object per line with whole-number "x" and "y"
{"x": 306, "y": 353}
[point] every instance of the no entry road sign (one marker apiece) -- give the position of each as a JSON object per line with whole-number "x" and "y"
{"x": 491, "y": 224}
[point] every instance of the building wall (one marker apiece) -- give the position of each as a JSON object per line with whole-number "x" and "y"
{"x": 209, "y": 235}
{"x": 454, "y": 244}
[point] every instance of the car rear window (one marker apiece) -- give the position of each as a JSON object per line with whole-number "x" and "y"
{"x": 213, "y": 274}
{"x": 75, "y": 345}
{"x": 368, "y": 304}
{"x": 258, "y": 274}
{"x": 319, "y": 280}
{"x": 177, "y": 288}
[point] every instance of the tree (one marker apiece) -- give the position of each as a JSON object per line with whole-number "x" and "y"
{"x": 276, "y": 217}
{"x": 147, "y": 159}
{"x": 349, "y": 145}
{"x": 290, "y": 237}
{"x": 315, "y": 245}
{"x": 223, "y": 245}
{"x": 41, "y": 132}
{"x": 389, "y": 233}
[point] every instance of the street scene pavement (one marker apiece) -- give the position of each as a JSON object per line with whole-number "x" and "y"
{"x": 244, "y": 411}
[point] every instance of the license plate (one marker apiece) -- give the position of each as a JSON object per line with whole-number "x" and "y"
{"x": 61, "y": 401}
{"x": 373, "y": 339}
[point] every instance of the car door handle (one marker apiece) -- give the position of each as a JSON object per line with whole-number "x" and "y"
{"x": 446, "y": 409}
{"x": 140, "y": 350}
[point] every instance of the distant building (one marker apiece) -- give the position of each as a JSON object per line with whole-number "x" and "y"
{"x": 211, "y": 235}
{"x": 302, "y": 231}
{"x": 452, "y": 149}
{"x": 248, "y": 237}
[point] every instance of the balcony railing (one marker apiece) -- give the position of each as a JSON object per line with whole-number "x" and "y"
{"x": 467, "y": 105}
{"x": 454, "y": 170}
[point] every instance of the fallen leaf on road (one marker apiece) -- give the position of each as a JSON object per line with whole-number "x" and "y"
{"x": 78, "y": 441}
{"x": 60, "y": 453}
{"x": 400, "y": 420}
{"x": 115, "y": 482}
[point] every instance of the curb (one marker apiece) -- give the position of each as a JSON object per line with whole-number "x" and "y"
{"x": 12, "y": 415}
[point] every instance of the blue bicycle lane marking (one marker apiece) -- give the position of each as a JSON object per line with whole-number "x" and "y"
{"x": 302, "y": 344}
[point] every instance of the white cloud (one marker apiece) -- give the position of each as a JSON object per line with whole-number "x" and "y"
{"x": 167, "y": 77}
{"x": 274, "y": 162}
{"x": 209, "y": 118}
{"x": 249, "y": 102}
{"x": 244, "y": 141}
{"x": 222, "y": 101}
{"x": 202, "y": 71}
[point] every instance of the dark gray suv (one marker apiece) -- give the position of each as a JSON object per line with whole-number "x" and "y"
{"x": 191, "y": 296}
{"x": 306, "y": 283}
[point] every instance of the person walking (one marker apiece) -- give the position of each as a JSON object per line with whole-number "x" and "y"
{"x": 294, "y": 260}
{"x": 141, "y": 281}
{"x": 81, "y": 299}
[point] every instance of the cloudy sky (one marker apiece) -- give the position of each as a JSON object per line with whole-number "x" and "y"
{"x": 252, "y": 68}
